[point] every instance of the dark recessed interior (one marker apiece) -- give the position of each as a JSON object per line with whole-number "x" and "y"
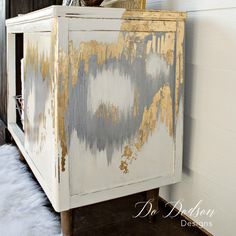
{"x": 19, "y": 55}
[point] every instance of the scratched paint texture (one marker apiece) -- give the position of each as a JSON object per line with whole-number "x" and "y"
{"x": 120, "y": 91}
{"x": 37, "y": 71}
{"x": 39, "y": 101}
{"x": 104, "y": 109}
{"x": 90, "y": 59}
{"x": 116, "y": 89}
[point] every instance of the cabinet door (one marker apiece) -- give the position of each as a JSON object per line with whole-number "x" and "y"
{"x": 39, "y": 109}
{"x": 120, "y": 117}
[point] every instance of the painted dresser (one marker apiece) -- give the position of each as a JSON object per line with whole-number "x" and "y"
{"x": 103, "y": 94}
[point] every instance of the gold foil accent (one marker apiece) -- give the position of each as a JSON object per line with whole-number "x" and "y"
{"x": 167, "y": 47}
{"x": 136, "y": 104}
{"x": 128, "y": 157}
{"x": 126, "y": 46}
{"x": 62, "y": 99}
{"x": 154, "y": 15}
{"x": 52, "y": 61}
{"x": 179, "y": 64}
{"x": 166, "y": 109}
{"x": 103, "y": 52}
{"x": 161, "y": 104}
{"x": 124, "y": 166}
{"x": 128, "y": 152}
{"x": 63, "y": 67}
{"x": 39, "y": 62}
{"x": 42, "y": 62}
{"x": 31, "y": 57}
{"x": 74, "y": 60}
{"x": 108, "y": 112}
{"x": 148, "y": 26}
{"x": 45, "y": 66}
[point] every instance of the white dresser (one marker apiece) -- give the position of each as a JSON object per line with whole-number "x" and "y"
{"x": 103, "y": 93}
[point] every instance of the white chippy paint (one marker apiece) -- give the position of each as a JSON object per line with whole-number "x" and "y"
{"x": 23, "y": 208}
{"x": 100, "y": 36}
{"x": 30, "y": 107}
{"x": 102, "y": 90}
{"x": 44, "y": 148}
{"x": 88, "y": 165}
{"x": 46, "y": 168}
{"x": 22, "y": 90}
{"x": 155, "y": 65}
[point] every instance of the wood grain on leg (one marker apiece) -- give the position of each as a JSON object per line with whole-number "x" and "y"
{"x": 66, "y": 223}
{"x": 21, "y": 158}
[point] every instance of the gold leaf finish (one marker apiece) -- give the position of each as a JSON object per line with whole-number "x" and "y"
{"x": 179, "y": 64}
{"x": 108, "y": 112}
{"x": 39, "y": 62}
{"x": 126, "y": 46}
{"x": 162, "y": 102}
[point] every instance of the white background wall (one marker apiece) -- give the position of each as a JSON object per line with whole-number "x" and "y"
{"x": 210, "y": 115}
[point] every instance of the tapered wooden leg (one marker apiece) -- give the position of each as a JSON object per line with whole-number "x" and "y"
{"x": 153, "y": 195}
{"x": 22, "y": 158}
{"x": 66, "y": 223}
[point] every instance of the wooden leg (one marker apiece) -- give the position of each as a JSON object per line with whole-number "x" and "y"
{"x": 154, "y": 196}
{"x": 66, "y": 223}
{"x": 22, "y": 158}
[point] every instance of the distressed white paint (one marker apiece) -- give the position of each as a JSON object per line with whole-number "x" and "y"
{"x": 210, "y": 128}
{"x": 41, "y": 150}
{"x": 155, "y": 65}
{"x": 67, "y": 189}
{"x": 22, "y": 90}
{"x": 92, "y": 168}
{"x": 11, "y": 73}
{"x": 29, "y": 107}
{"x": 100, "y": 35}
{"x": 100, "y": 91}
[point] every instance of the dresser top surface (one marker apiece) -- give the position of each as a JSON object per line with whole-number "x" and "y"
{"x": 96, "y": 12}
